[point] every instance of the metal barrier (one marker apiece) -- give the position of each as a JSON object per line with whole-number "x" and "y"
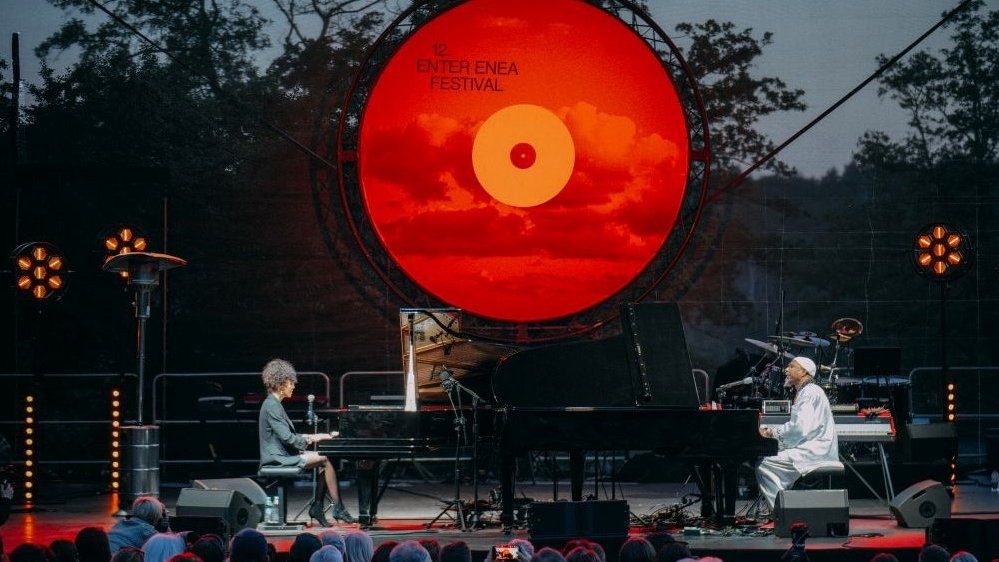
{"x": 981, "y": 396}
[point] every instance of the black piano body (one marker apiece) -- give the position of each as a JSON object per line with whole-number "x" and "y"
{"x": 633, "y": 391}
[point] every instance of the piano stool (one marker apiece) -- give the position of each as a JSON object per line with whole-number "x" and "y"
{"x": 814, "y": 479}
{"x": 279, "y": 476}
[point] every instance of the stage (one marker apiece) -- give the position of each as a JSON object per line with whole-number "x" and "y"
{"x": 408, "y": 506}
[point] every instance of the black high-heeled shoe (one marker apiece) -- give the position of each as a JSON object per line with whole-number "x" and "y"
{"x": 318, "y": 512}
{"x": 341, "y": 514}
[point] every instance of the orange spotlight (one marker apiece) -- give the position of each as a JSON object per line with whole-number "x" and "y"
{"x": 122, "y": 239}
{"x": 36, "y": 264}
{"x": 940, "y": 252}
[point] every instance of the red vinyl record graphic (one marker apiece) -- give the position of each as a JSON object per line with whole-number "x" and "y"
{"x": 523, "y": 160}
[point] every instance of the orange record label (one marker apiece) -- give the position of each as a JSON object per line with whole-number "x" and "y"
{"x": 523, "y": 160}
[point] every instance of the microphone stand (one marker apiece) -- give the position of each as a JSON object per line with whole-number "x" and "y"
{"x": 476, "y": 514}
{"x": 312, "y": 420}
{"x": 449, "y": 385}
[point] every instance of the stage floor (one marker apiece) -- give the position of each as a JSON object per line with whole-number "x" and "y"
{"x": 408, "y": 506}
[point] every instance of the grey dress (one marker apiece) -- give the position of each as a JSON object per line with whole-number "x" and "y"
{"x": 279, "y": 444}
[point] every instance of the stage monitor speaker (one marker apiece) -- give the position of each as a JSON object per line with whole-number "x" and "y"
{"x": 920, "y": 504}
{"x": 247, "y": 486}
{"x": 826, "y": 512}
{"x": 975, "y": 535}
{"x": 588, "y": 519}
{"x": 232, "y": 506}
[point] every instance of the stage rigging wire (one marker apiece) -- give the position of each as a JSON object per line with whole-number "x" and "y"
{"x": 891, "y": 62}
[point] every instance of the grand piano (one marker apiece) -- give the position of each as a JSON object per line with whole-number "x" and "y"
{"x": 632, "y": 391}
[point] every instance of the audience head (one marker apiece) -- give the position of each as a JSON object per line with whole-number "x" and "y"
{"x": 28, "y": 552}
{"x": 548, "y": 554}
{"x": 433, "y": 549}
{"x": 963, "y": 556}
{"x": 456, "y": 551}
{"x": 209, "y": 549}
{"x": 248, "y": 545}
{"x": 64, "y": 551}
{"x": 525, "y": 547}
{"x": 162, "y": 547}
{"x": 574, "y": 543}
{"x": 92, "y": 545}
{"x": 304, "y": 546}
{"x": 933, "y": 553}
{"x": 659, "y": 539}
{"x": 383, "y": 551}
{"x": 409, "y": 551}
{"x": 128, "y": 554}
{"x": 149, "y": 509}
{"x": 884, "y": 557}
{"x": 332, "y": 537}
{"x": 601, "y": 553}
{"x": 358, "y": 546}
{"x": 636, "y": 549}
{"x": 582, "y": 554}
{"x": 184, "y": 557}
{"x": 328, "y": 553}
{"x": 673, "y": 552}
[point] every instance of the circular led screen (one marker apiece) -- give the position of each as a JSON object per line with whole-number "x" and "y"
{"x": 523, "y": 160}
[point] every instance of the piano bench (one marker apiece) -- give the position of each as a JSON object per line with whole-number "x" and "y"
{"x": 279, "y": 476}
{"x": 820, "y": 478}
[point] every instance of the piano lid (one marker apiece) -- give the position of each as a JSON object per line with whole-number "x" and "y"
{"x": 646, "y": 365}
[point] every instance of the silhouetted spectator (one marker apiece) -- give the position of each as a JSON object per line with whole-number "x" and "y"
{"x": 358, "y": 546}
{"x": 673, "y": 552}
{"x": 574, "y": 543}
{"x": 332, "y": 537}
{"x": 933, "y": 553}
{"x": 456, "y": 551}
{"x": 659, "y": 539}
{"x": 884, "y": 557}
{"x": 525, "y": 547}
{"x": 636, "y": 549}
{"x": 582, "y": 554}
{"x": 65, "y": 551}
{"x": 963, "y": 556}
{"x": 304, "y": 546}
{"x": 128, "y": 554}
{"x": 29, "y": 552}
{"x": 383, "y": 552}
{"x": 328, "y": 553}
{"x": 209, "y": 549}
{"x": 162, "y": 547}
{"x": 433, "y": 549}
{"x": 185, "y": 557}
{"x": 249, "y": 545}
{"x": 548, "y": 554}
{"x": 134, "y": 531}
{"x": 409, "y": 551}
{"x": 596, "y": 547}
{"x": 92, "y": 545}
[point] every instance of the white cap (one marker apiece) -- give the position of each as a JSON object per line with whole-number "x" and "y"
{"x": 806, "y": 364}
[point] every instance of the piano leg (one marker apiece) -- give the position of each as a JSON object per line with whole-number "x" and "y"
{"x": 367, "y": 491}
{"x": 729, "y": 491}
{"x": 576, "y": 460}
{"x": 507, "y": 464}
{"x": 705, "y": 477}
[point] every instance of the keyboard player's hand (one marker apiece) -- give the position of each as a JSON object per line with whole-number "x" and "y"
{"x": 317, "y": 437}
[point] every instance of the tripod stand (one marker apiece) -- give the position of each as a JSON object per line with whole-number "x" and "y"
{"x": 453, "y": 389}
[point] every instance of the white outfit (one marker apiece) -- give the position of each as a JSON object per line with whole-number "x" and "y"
{"x": 805, "y": 442}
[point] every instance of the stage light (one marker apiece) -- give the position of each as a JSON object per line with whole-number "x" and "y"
{"x": 941, "y": 252}
{"x": 123, "y": 239}
{"x": 38, "y": 271}
{"x": 29, "y": 446}
{"x": 115, "y": 443}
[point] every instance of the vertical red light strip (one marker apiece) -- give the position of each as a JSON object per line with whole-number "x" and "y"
{"x": 115, "y": 440}
{"x": 30, "y": 436}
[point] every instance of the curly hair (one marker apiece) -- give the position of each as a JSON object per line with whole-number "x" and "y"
{"x": 277, "y": 372}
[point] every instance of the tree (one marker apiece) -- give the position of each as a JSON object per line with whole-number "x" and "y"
{"x": 952, "y": 99}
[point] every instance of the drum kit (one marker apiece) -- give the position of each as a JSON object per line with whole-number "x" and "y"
{"x": 831, "y": 354}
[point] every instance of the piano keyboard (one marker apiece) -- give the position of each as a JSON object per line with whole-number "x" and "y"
{"x": 849, "y": 428}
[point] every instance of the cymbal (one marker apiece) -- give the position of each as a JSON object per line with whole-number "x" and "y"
{"x": 794, "y": 340}
{"x": 848, "y": 327}
{"x": 845, "y": 381}
{"x": 768, "y": 347}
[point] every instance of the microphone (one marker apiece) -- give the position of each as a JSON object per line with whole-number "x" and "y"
{"x": 745, "y": 381}
{"x": 310, "y": 415}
